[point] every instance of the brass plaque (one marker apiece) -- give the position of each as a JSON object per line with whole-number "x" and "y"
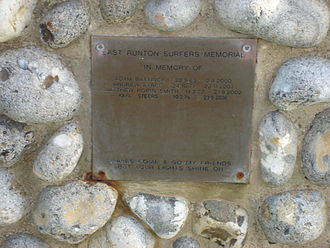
{"x": 172, "y": 108}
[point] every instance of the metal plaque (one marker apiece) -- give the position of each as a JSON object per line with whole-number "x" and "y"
{"x": 172, "y": 108}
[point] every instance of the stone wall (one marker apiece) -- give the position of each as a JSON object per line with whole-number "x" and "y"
{"x": 286, "y": 203}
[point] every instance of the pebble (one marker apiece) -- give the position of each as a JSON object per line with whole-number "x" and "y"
{"x": 301, "y": 82}
{"x": 15, "y": 16}
{"x": 316, "y": 149}
{"x": 164, "y": 215}
{"x": 60, "y": 155}
{"x": 72, "y": 212}
{"x": 302, "y": 23}
{"x": 278, "y": 146}
{"x": 23, "y": 240}
{"x": 15, "y": 138}
{"x": 123, "y": 232}
{"x": 171, "y": 15}
{"x": 186, "y": 242}
{"x": 13, "y": 204}
{"x": 116, "y": 11}
{"x": 64, "y": 23}
{"x": 35, "y": 87}
{"x": 222, "y": 222}
{"x": 293, "y": 217}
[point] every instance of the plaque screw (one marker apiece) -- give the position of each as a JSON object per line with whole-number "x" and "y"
{"x": 247, "y": 48}
{"x": 240, "y": 175}
{"x": 100, "y": 47}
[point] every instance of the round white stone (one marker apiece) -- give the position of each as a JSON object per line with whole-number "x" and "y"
{"x": 174, "y": 212}
{"x": 64, "y": 23}
{"x": 302, "y": 23}
{"x": 301, "y": 82}
{"x": 15, "y": 15}
{"x": 23, "y": 240}
{"x": 13, "y": 204}
{"x": 171, "y": 15}
{"x": 278, "y": 146}
{"x": 74, "y": 211}
{"x": 124, "y": 232}
{"x": 58, "y": 158}
{"x": 33, "y": 87}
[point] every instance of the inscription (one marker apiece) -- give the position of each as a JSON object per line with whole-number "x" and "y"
{"x": 172, "y": 114}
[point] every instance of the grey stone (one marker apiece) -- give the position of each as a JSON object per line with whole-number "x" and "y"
{"x": 164, "y": 215}
{"x": 15, "y": 16}
{"x": 293, "y": 217}
{"x": 186, "y": 242}
{"x": 315, "y": 151}
{"x": 222, "y": 222}
{"x": 72, "y": 212}
{"x": 35, "y": 87}
{"x": 114, "y": 11}
{"x": 303, "y": 23}
{"x": 171, "y": 15}
{"x": 15, "y": 138}
{"x": 60, "y": 155}
{"x": 278, "y": 146}
{"x": 14, "y": 203}
{"x": 123, "y": 232}
{"x": 23, "y": 240}
{"x": 64, "y": 23}
{"x": 301, "y": 82}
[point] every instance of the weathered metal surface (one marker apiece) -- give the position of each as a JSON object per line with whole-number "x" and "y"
{"x": 169, "y": 108}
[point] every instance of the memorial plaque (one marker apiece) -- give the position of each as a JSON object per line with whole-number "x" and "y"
{"x": 172, "y": 108}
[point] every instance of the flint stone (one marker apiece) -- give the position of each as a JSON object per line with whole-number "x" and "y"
{"x": 64, "y": 23}
{"x": 14, "y": 203}
{"x": 35, "y": 87}
{"x": 316, "y": 149}
{"x": 72, "y": 212}
{"x": 15, "y": 138}
{"x": 222, "y": 222}
{"x": 171, "y": 15}
{"x": 60, "y": 155}
{"x": 23, "y": 240}
{"x": 164, "y": 215}
{"x": 278, "y": 146}
{"x": 302, "y": 23}
{"x": 301, "y": 82}
{"x": 186, "y": 242}
{"x": 15, "y": 16}
{"x": 115, "y": 11}
{"x": 123, "y": 232}
{"x": 293, "y": 217}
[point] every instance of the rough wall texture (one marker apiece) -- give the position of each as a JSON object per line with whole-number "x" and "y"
{"x": 250, "y": 196}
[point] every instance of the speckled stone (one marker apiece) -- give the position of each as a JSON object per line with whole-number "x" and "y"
{"x": 278, "y": 146}
{"x": 35, "y": 87}
{"x": 302, "y": 23}
{"x": 316, "y": 149}
{"x": 72, "y": 212}
{"x": 14, "y": 203}
{"x": 186, "y": 242}
{"x": 123, "y": 232}
{"x": 15, "y": 16}
{"x": 114, "y": 11}
{"x": 222, "y": 222}
{"x": 23, "y": 240}
{"x": 64, "y": 23}
{"x": 174, "y": 212}
{"x": 293, "y": 217}
{"x": 171, "y": 15}
{"x": 15, "y": 138}
{"x": 60, "y": 155}
{"x": 301, "y": 82}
